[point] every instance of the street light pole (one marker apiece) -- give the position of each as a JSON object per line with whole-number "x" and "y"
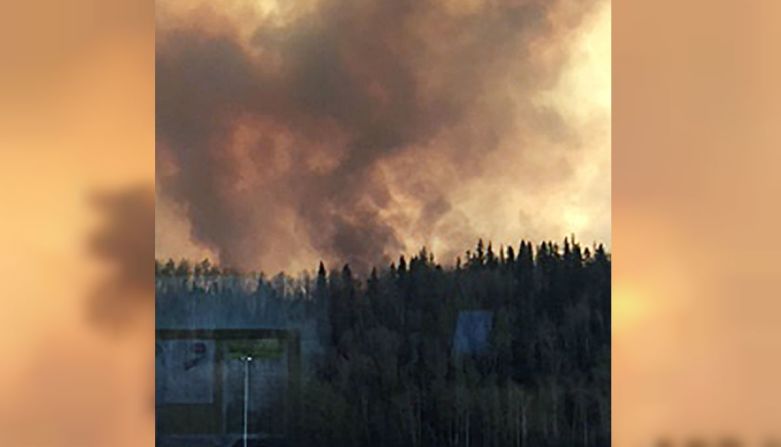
{"x": 246, "y": 395}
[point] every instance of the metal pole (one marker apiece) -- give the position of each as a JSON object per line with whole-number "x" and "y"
{"x": 246, "y": 395}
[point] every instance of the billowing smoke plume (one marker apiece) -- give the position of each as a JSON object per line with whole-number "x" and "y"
{"x": 350, "y": 130}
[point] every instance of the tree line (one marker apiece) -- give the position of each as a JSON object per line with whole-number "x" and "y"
{"x": 389, "y": 374}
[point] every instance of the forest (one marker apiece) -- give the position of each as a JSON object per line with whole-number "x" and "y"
{"x": 390, "y": 373}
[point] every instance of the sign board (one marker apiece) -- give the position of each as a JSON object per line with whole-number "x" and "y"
{"x": 184, "y": 371}
{"x": 259, "y": 349}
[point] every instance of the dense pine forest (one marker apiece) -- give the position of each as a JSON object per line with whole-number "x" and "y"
{"x": 391, "y": 372}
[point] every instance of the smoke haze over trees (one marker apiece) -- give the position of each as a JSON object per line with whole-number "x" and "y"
{"x": 389, "y": 374}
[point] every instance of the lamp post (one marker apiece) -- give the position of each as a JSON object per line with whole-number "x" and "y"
{"x": 247, "y": 360}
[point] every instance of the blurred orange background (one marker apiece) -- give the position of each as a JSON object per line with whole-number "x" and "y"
{"x": 76, "y": 152}
{"x": 696, "y": 105}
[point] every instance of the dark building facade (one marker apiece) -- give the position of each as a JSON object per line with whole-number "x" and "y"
{"x": 204, "y": 376}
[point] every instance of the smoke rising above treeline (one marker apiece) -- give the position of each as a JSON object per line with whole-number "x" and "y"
{"x": 354, "y": 131}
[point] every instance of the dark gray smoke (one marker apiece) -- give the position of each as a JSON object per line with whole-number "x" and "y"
{"x": 339, "y": 133}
